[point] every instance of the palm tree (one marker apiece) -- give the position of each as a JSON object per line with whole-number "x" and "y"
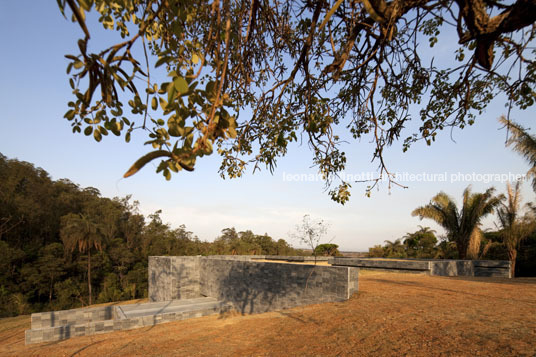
{"x": 513, "y": 228}
{"x": 421, "y": 243}
{"x": 463, "y": 227}
{"x": 80, "y": 231}
{"x": 524, "y": 144}
{"x": 395, "y": 249}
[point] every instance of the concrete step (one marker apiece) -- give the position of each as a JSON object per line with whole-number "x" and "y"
{"x": 175, "y": 306}
{"x": 162, "y": 304}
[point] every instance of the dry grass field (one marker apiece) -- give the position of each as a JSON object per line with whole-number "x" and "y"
{"x": 392, "y": 315}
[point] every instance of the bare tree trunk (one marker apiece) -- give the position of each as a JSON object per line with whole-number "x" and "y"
{"x": 462, "y": 248}
{"x": 89, "y": 273}
{"x": 512, "y": 254}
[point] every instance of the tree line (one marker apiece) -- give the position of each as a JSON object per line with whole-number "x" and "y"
{"x": 64, "y": 246}
{"x": 514, "y": 238}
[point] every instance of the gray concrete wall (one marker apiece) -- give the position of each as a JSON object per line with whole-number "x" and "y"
{"x": 417, "y": 265}
{"x": 70, "y": 317}
{"x": 452, "y": 268}
{"x": 81, "y": 326}
{"x": 173, "y": 278}
{"x": 236, "y": 257}
{"x": 297, "y": 258}
{"x": 479, "y": 268}
{"x": 251, "y": 286}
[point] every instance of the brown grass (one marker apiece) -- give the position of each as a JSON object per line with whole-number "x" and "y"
{"x": 393, "y": 314}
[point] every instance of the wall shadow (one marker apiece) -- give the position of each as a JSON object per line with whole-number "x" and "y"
{"x": 255, "y": 288}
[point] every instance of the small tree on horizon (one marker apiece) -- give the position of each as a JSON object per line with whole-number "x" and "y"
{"x": 328, "y": 250}
{"x": 310, "y": 233}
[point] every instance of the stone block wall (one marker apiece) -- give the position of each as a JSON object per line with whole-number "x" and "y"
{"x": 479, "y": 268}
{"x": 173, "y": 278}
{"x": 71, "y": 317}
{"x": 251, "y": 286}
{"x": 85, "y": 322}
{"x": 452, "y": 268}
{"x": 297, "y": 258}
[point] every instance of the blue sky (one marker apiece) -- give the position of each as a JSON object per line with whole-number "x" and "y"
{"x": 33, "y": 96}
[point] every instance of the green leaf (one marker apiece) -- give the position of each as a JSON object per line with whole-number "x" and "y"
{"x": 97, "y": 135}
{"x": 88, "y": 130}
{"x": 161, "y": 61}
{"x": 142, "y": 161}
{"x": 180, "y": 85}
{"x": 154, "y": 103}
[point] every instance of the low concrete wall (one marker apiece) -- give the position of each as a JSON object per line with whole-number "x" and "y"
{"x": 252, "y": 286}
{"x": 71, "y": 317}
{"x": 479, "y": 268}
{"x": 296, "y": 258}
{"x": 423, "y": 266}
{"x": 87, "y": 323}
{"x": 452, "y": 268}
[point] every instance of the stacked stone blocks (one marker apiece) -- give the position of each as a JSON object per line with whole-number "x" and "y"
{"x": 477, "y": 268}
{"x": 251, "y": 286}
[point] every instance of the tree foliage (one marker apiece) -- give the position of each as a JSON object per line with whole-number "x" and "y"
{"x": 328, "y": 249}
{"x": 247, "y": 78}
{"x": 524, "y": 143}
{"x": 514, "y": 228}
{"x": 462, "y": 225}
{"x": 419, "y": 244}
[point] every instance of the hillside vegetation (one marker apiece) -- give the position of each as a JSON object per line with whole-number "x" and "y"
{"x": 56, "y": 235}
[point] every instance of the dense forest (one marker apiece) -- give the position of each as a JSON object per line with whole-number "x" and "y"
{"x": 56, "y": 236}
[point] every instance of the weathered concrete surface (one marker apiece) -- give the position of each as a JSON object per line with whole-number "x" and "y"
{"x": 69, "y": 317}
{"x": 452, "y": 268}
{"x": 252, "y": 286}
{"x": 483, "y": 268}
{"x": 165, "y": 307}
{"x": 124, "y": 317}
{"x": 381, "y": 264}
{"x": 296, "y": 258}
{"x": 173, "y": 278}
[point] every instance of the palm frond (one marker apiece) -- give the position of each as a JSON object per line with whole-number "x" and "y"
{"x": 523, "y": 143}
